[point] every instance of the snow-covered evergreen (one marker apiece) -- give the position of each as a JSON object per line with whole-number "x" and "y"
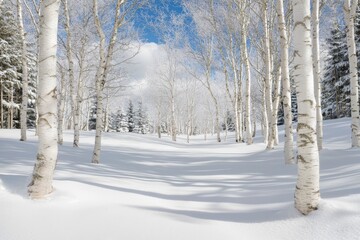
{"x": 336, "y": 81}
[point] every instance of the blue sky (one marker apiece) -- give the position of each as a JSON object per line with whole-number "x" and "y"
{"x": 147, "y": 32}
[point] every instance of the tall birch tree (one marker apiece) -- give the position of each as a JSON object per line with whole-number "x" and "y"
{"x": 106, "y": 47}
{"x": 316, "y": 66}
{"x": 69, "y": 55}
{"x": 350, "y": 13}
{"x": 41, "y": 183}
{"x": 307, "y": 193}
{"x": 24, "y": 76}
{"x": 286, "y": 90}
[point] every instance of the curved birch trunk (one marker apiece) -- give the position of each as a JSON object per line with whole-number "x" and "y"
{"x": 307, "y": 193}
{"x": 286, "y": 91}
{"x": 316, "y": 66}
{"x": 24, "y": 100}
{"x": 350, "y": 14}
{"x": 103, "y": 68}
{"x": 41, "y": 183}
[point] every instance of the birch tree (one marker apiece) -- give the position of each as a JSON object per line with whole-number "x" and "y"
{"x": 106, "y": 50}
{"x": 268, "y": 77}
{"x": 350, "y": 13}
{"x": 244, "y": 28}
{"x": 307, "y": 193}
{"x": 69, "y": 55}
{"x": 286, "y": 90}
{"x": 316, "y": 66}
{"x": 41, "y": 183}
{"x": 24, "y": 76}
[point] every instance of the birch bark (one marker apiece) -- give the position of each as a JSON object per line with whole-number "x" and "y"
{"x": 350, "y": 13}
{"x": 268, "y": 79}
{"x": 286, "y": 91}
{"x": 69, "y": 55}
{"x": 316, "y": 66}
{"x": 24, "y": 100}
{"x": 41, "y": 183}
{"x": 307, "y": 193}
{"x": 103, "y": 68}
{"x": 249, "y": 139}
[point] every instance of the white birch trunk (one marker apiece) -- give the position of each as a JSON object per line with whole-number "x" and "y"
{"x": 268, "y": 80}
{"x": 99, "y": 85}
{"x": 350, "y": 14}
{"x": 273, "y": 135}
{"x": 61, "y": 107}
{"x": 307, "y": 193}
{"x": 286, "y": 91}
{"x": 41, "y": 183}
{"x": 249, "y": 139}
{"x": 173, "y": 119}
{"x": 11, "y": 108}
{"x": 24, "y": 100}
{"x": 103, "y": 68}
{"x": 316, "y": 66}
{"x": 71, "y": 69}
{"x": 265, "y": 120}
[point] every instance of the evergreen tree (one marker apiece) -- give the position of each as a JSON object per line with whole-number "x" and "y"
{"x": 10, "y": 66}
{"x": 11, "y": 70}
{"x": 130, "y": 117}
{"x": 141, "y": 120}
{"x": 336, "y": 81}
{"x": 92, "y": 115}
{"x": 120, "y": 122}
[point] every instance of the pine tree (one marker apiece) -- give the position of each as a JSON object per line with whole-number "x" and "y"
{"x": 336, "y": 81}
{"x": 141, "y": 120}
{"x": 130, "y": 116}
{"x": 10, "y": 67}
{"x": 92, "y": 115}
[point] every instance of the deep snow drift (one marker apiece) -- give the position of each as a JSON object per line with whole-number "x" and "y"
{"x": 154, "y": 189}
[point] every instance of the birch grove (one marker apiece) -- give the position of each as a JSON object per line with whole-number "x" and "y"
{"x": 41, "y": 183}
{"x": 307, "y": 193}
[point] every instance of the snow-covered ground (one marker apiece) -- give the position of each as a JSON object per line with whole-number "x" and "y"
{"x": 154, "y": 189}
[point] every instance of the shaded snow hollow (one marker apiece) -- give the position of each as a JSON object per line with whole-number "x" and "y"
{"x": 154, "y": 189}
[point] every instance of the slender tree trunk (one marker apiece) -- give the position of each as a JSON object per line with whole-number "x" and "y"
{"x": 350, "y": 14}
{"x": 249, "y": 139}
{"x": 71, "y": 66}
{"x": 11, "y": 108}
{"x": 24, "y": 100}
{"x": 307, "y": 193}
{"x": 173, "y": 120}
{"x": 265, "y": 120}
{"x": 103, "y": 68}
{"x": 273, "y": 135}
{"x": 316, "y": 66}
{"x": 268, "y": 79}
{"x": 41, "y": 183}
{"x": 286, "y": 91}
{"x": 61, "y": 107}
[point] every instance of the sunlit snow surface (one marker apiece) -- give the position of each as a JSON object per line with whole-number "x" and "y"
{"x": 154, "y": 189}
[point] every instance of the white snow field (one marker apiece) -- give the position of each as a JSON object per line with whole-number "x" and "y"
{"x": 153, "y": 189}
